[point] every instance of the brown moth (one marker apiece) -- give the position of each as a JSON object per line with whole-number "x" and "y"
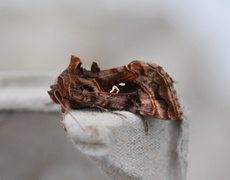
{"x": 139, "y": 87}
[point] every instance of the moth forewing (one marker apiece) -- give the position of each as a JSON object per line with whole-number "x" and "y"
{"x": 139, "y": 87}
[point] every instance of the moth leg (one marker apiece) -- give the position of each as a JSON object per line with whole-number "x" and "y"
{"x": 146, "y": 126}
{"x": 65, "y": 110}
{"x": 107, "y": 110}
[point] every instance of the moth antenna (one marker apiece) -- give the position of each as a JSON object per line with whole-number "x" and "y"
{"x": 107, "y": 110}
{"x": 66, "y": 110}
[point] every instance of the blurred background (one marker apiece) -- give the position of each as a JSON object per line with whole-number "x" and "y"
{"x": 190, "y": 39}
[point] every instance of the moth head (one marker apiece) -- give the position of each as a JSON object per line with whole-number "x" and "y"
{"x": 54, "y": 94}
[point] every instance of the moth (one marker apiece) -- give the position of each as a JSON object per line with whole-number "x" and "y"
{"x": 139, "y": 87}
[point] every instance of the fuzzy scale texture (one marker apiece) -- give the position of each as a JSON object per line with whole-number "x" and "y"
{"x": 120, "y": 145}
